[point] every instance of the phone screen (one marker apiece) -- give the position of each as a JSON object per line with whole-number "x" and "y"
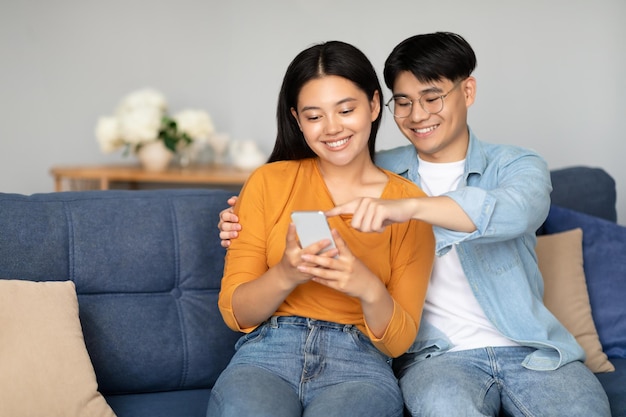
{"x": 312, "y": 227}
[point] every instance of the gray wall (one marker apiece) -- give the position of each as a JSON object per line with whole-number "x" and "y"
{"x": 551, "y": 75}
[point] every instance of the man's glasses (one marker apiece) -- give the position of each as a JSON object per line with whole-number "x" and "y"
{"x": 432, "y": 103}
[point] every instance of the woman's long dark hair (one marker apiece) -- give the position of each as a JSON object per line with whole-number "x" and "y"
{"x": 329, "y": 58}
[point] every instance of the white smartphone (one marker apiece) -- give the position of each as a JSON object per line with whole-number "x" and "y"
{"x": 312, "y": 227}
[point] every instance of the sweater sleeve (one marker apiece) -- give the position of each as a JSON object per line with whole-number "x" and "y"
{"x": 412, "y": 257}
{"x": 246, "y": 257}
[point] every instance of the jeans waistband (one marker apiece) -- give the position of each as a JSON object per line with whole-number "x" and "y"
{"x": 277, "y": 321}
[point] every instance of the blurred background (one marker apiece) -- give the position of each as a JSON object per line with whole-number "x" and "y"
{"x": 551, "y": 75}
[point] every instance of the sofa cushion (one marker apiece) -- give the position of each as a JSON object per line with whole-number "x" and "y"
{"x": 45, "y": 367}
{"x": 560, "y": 258}
{"x": 187, "y": 403}
{"x": 604, "y": 257}
{"x": 614, "y": 384}
{"x": 147, "y": 267}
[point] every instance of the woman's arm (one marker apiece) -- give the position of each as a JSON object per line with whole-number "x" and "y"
{"x": 347, "y": 274}
{"x": 255, "y": 301}
{"x": 391, "y": 310}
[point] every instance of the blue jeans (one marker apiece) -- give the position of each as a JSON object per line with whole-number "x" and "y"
{"x": 294, "y": 366}
{"x": 481, "y": 382}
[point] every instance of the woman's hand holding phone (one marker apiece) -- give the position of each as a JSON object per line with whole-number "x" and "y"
{"x": 292, "y": 258}
{"x": 343, "y": 271}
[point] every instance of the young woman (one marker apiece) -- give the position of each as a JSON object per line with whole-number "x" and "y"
{"x": 320, "y": 329}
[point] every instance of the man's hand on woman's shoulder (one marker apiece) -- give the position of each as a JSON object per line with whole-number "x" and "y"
{"x": 229, "y": 223}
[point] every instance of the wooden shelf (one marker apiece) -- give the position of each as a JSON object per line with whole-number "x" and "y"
{"x": 71, "y": 177}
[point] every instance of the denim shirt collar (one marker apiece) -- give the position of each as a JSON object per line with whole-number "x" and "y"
{"x": 475, "y": 159}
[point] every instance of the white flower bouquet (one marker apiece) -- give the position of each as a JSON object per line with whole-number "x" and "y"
{"x": 141, "y": 118}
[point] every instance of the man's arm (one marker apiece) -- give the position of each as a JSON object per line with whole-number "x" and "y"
{"x": 374, "y": 214}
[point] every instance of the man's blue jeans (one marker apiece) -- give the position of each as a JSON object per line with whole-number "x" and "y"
{"x": 480, "y": 382}
{"x": 294, "y": 366}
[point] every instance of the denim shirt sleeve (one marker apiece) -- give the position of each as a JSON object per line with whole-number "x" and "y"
{"x": 510, "y": 197}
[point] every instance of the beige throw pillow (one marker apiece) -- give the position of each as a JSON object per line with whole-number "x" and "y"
{"x": 560, "y": 258}
{"x": 45, "y": 366}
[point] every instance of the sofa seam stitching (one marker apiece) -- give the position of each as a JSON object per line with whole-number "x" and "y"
{"x": 71, "y": 242}
{"x": 175, "y": 232}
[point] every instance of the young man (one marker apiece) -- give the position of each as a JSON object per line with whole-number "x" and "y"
{"x": 486, "y": 342}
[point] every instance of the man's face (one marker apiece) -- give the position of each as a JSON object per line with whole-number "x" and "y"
{"x": 442, "y": 136}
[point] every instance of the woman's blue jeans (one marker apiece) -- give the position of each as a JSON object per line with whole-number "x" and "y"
{"x": 481, "y": 382}
{"x": 294, "y": 366}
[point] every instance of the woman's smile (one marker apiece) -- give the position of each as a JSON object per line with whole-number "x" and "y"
{"x": 336, "y": 144}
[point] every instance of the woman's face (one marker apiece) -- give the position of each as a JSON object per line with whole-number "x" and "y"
{"x": 335, "y": 117}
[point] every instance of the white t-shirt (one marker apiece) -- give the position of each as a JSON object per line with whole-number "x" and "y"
{"x": 450, "y": 303}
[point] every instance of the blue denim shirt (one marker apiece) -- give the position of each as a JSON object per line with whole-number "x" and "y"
{"x": 505, "y": 190}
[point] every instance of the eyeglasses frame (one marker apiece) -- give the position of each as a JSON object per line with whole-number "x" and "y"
{"x": 419, "y": 100}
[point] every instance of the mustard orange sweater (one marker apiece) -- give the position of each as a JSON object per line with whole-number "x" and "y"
{"x": 401, "y": 256}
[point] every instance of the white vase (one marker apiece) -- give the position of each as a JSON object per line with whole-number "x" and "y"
{"x": 246, "y": 155}
{"x": 154, "y": 156}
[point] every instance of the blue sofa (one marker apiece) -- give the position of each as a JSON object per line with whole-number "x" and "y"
{"x": 147, "y": 267}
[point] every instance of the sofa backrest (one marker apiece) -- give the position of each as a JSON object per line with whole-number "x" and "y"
{"x": 147, "y": 267}
{"x": 585, "y": 189}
